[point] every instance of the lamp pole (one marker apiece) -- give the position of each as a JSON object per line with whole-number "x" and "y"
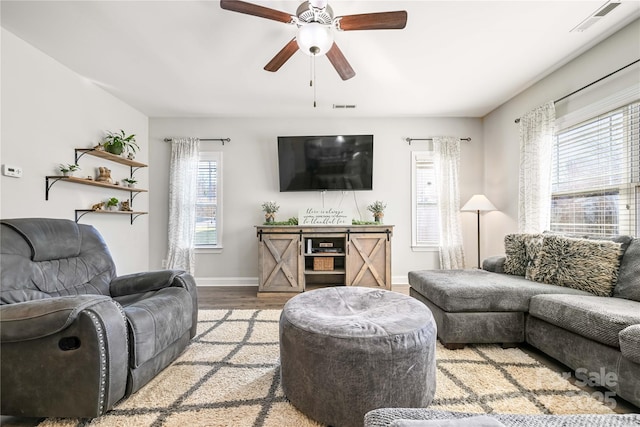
{"x": 477, "y": 203}
{"x": 478, "y": 214}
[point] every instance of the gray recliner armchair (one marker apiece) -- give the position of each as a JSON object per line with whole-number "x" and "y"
{"x": 74, "y": 337}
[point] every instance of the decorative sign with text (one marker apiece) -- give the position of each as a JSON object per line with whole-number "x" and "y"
{"x": 324, "y": 216}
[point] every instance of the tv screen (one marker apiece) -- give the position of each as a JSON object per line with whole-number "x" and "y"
{"x": 340, "y": 162}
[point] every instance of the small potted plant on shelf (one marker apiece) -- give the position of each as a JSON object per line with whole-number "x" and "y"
{"x": 270, "y": 209}
{"x": 118, "y": 143}
{"x": 377, "y": 208}
{"x": 68, "y": 170}
{"x": 112, "y": 204}
{"x": 130, "y": 182}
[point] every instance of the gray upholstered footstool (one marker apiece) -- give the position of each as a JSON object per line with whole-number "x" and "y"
{"x": 347, "y": 350}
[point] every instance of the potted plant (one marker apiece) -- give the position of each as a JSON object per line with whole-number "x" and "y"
{"x": 112, "y": 204}
{"x": 118, "y": 143}
{"x": 130, "y": 182}
{"x": 68, "y": 170}
{"x": 270, "y": 209}
{"x": 377, "y": 208}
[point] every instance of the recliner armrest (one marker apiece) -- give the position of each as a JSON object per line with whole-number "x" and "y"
{"x": 494, "y": 264}
{"x": 143, "y": 282}
{"x": 40, "y": 318}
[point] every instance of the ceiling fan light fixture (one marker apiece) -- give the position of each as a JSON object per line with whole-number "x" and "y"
{"x": 314, "y": 38}
{"x": 318, "y": 4}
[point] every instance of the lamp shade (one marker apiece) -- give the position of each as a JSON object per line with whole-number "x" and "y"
{"x": 478, "y": 202}
{"x": 314, "y": 38}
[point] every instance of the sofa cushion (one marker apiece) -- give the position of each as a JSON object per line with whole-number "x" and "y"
{"x": 598, "y": 318}
{"x": 628, "y": 285}
{"x": 24, "y": 279}
{"x": 476, "y": 290}
{"x": 156, "y": 320}
{"x": 585, "y": 264}
{"x": 630, "y": 343}
{"x": 48, "y": 238}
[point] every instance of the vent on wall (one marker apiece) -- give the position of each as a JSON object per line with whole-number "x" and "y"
{"x": 597, "y": 15}
{"x": 344, "y": 106}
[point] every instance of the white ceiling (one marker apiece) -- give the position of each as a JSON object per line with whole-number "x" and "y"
{"x": 193, "y": 59}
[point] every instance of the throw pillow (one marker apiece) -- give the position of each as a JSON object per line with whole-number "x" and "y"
{"x": 518, "y": 256}
{"x": 587, "y": 265}
{"x": 533, "y": 245}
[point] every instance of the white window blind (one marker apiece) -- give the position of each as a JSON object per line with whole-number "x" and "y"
{"x": 596, "y": 168}
{"x": 208, "y": 204}
{"x": 425, "y": 201}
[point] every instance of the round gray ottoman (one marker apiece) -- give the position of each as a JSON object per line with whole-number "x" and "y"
{"x": 347, "y": 350}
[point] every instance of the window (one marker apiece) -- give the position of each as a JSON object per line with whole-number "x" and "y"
{"x": 209, "y": 201}
{"x": 424, "y": 207}
{"x": 595, "y": 182}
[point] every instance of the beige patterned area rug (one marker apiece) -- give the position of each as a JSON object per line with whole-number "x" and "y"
{"x": 229, "y": 376}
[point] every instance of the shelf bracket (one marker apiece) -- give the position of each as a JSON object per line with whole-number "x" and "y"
{"x": 48, "y": 186}
{"x": 80, "y": 213}
{"x": 80, "y": 156}
{"x": 134, "y": 217}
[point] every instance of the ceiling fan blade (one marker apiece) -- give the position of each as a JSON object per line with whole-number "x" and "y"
{"x": 282, "y": 56}
{"x": 340, "y": 63}
{"x": 374, "y": 21}
{"x": 255, "y": 10}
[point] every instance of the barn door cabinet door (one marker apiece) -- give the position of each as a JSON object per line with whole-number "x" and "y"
{"x": 369, "y": 260}
{"x": 281, "y": 264}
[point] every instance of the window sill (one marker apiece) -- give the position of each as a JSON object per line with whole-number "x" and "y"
{"x": 425, "y": 249}
{"x": 209, "y": 250}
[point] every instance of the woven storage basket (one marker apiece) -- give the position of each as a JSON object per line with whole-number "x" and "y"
{"x": 323, "y": 264}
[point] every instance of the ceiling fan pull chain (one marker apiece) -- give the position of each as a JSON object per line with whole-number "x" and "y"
{"x": 313, "y": 77}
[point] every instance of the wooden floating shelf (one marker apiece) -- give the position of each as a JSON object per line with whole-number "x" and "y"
{"x": 85, "y": 181}
{"x": 108, "y": 156}
{"x": 134, "y": 214}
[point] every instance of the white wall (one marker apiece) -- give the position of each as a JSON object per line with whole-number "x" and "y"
{"x": 501, "y": 156}
{"x": 47, "y": 111}
{"x": 251, "y": 177}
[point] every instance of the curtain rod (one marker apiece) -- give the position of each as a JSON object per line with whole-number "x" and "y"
{"x": 223, "y": 140}
{"x": 431, "y": 139}
{"x": 590, "y": 84}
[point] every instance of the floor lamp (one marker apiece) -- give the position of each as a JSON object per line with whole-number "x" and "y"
{"x": 478, "y": 203}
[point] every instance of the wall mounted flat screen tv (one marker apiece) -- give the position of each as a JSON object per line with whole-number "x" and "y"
{"x": 339, "y": 162}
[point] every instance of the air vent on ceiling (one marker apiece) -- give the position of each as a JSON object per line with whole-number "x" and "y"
{"x": 344, "y": 106}
{"x": 597, "y": 15}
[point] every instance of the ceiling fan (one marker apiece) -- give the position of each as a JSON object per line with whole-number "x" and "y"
{"x": 316, "y": 23}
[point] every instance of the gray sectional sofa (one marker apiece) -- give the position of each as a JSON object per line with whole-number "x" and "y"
{"x": 575, "y": 299}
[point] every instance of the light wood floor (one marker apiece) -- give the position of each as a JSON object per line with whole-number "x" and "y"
{"x": 246, "y": 297}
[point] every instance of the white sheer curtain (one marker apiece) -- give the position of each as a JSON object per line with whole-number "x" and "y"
{"x": 183, "y": 179}
{"x": 447, "y": 165}
{"x": 536, "y": 143}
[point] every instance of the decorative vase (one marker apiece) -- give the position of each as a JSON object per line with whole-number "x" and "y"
{"x": 378, "y": 216}
{"x": 269, "y": 217}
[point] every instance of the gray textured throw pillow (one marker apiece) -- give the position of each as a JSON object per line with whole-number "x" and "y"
{"x": 518, "y": 256}
{"x": 587, "y": 265}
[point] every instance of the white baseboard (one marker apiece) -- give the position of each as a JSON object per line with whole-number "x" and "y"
{"x": 400, "y": 280}
{"x": 253, "y": 281}
{"x": 227, "y": 281}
